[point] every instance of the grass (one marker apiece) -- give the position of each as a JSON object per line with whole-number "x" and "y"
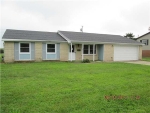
{"x": 61, "y": 87}
{"x": 1, "y": 57}
{"x": 146, "y": 59}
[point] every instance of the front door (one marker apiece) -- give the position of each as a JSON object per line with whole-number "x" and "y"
{"x": 73, "y": 52}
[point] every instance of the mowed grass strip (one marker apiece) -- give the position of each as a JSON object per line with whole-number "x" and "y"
{"x": 146, "y": 59}
{"x": 61, "y": 87}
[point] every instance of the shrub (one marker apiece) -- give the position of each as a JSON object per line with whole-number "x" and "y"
{"x": 1, "y": 50}
{"x": 86, "y": 61}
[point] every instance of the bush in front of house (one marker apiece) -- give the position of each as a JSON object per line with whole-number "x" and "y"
{"x": 86, "y": 61}
{"x": 1, "y": 50}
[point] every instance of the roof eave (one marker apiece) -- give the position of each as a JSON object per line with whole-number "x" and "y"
{"x": 93, "y": 42}
{"x": 69, "y": 41}
{"x": 31, "y": 40}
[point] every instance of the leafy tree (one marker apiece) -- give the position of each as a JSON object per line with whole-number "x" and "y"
{"x": 129, "y": 35}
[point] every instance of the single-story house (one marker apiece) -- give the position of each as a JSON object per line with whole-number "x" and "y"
{"x": 145, "y": 40}
{"x": 22, "y": 45}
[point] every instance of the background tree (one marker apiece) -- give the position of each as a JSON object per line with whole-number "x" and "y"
{"x": 129, "y": 35}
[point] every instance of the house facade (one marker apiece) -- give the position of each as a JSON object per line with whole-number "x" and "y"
{"x": 146, "y": 47}
{"x": 21, "y": 45}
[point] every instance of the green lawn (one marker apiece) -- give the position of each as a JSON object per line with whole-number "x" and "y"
{"x": 146, "y": 59}
{"x": 61, "y": 87}
{"x": 1, "y": 57}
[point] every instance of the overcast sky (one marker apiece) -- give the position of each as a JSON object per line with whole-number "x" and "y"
{"x": 96, "y": 16}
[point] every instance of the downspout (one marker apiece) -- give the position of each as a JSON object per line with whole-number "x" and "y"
{"x": 71, "y": 52}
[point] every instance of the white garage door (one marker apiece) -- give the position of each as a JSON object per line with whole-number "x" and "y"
{"x": 122, "y": 52}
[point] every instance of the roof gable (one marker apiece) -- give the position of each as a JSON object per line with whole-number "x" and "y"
{"x": 143, "y": 35}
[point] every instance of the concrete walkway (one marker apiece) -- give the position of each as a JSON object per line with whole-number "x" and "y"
{"x": 139, "y": 62}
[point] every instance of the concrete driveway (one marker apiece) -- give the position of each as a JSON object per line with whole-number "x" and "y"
{"x": 139, "y": 62}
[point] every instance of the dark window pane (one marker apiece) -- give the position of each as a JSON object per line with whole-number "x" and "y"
{"x": 91, "y": 51}
{"x": 85, "y": 46}
{"x": 50, "y": 50}
{"x": 24, "y": 49}
{"x": 85, "y": 51}
{"x": 50, "y": 45}
{"x": 91, "y": 47}
{"x": 24, "y": 45}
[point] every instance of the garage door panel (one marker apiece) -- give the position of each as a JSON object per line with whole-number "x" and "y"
{"x": 122, "y": 53}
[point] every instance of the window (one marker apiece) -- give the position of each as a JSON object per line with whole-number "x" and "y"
{"x": 91, "y": 49}
{"x": 88, "y": 49}
{"x": 145, "y": 41}
{"x": 25, "y": 47}
{"x": 51, "y": 48}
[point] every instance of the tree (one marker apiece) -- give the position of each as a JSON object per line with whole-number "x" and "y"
{"x": 129, "y": 35}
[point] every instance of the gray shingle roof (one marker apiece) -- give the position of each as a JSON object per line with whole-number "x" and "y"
{"x": 93, "y": 37}
{"x": 32, "y": 35}
{"x": 73, "y": 36}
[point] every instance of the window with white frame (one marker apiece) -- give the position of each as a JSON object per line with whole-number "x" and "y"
{"x": 144, "y": 41}
{"x": 24, "y": 47}
{"x": 88, "y": 49}
{"x": 51, "y": 48}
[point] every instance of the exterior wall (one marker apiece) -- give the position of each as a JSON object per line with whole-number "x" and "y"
{"x": 9, "y": 51}
{"x": 64, "y": 51}
{"x": 145, "y": 47}
{"x": 146, "y": 53}
{"x": 108, "y": 52}
{"x": 90, "y": 57}
{"x": 38, "y": 51}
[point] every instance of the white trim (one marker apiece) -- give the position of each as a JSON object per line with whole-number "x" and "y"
{"x": 50, "y": 52}
{"x": 89, "y": 49}
{"x": 71, "y": 52}
{"x": 25, "y": 52}
{"x": 32, "y": 40}
{"x": 69, "y": 41}
{"x": 93, "y": 51}
{"x": 70, "y": 58}
{"x": 82, "y": 51}
{"x": 93, "y": 42}
{"x": 79, "y": 42}
{"x": 104, "y": 52}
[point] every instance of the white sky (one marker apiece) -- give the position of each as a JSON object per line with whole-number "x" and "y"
{"x": 96, "y": 16}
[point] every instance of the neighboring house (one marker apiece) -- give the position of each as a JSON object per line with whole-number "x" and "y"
{"x": 21, "y": 45}
{"x": 145, "y": 40}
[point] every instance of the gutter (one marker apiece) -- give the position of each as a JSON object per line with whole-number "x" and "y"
{"x": 32, "y": 40}
{"x": 93, "y": 42}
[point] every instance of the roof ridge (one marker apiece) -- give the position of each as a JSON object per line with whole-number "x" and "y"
{"x": 30, "y": 31}
{"x": 90, "y": 33}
